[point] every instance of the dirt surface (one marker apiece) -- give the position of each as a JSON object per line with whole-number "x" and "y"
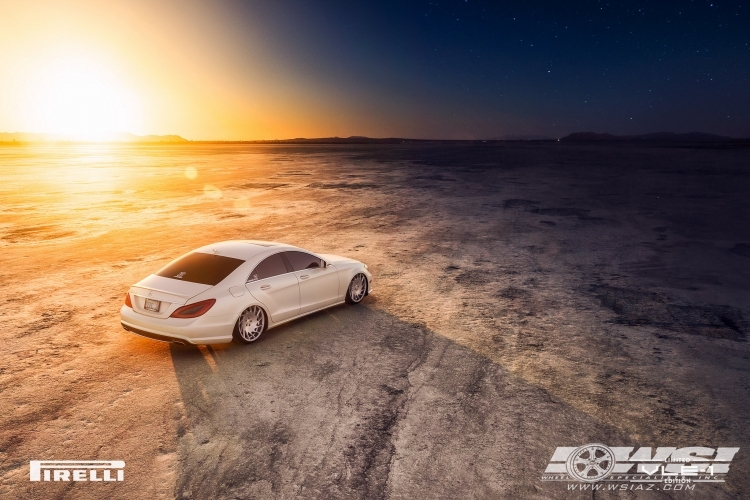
{"x": 527, "y": 296}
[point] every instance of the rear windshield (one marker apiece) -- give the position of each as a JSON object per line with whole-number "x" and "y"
{"x": 203, "y": 268}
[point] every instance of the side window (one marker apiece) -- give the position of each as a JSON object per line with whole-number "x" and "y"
{"x": 272, "y": 266}
{"x": 302, "y": 260}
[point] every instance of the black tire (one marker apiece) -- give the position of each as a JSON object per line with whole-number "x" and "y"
{"x": 357, "y": 289}
{"x": 250, "y": 325}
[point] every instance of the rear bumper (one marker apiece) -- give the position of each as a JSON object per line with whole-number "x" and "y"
{"x": 153, "y": 336}
{"x": 200, "y": 331}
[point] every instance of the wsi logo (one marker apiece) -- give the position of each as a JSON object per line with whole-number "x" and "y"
{"x": 77, "y": 470}
{"x": 597, "y": 462}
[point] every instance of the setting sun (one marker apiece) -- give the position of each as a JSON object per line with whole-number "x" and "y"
{"x": 80, "y": 98}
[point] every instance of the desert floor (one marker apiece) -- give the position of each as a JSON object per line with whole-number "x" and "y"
{"x": 527, "y": 296}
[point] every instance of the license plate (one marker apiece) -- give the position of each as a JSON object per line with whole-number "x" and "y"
{"x": 152, "y": 305}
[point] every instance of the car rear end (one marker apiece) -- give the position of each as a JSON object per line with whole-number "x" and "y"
{"x": 181, "y": 303}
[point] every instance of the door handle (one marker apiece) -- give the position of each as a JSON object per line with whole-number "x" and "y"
{"x": 265, "y": 287}
{"x": 304, "y": 277}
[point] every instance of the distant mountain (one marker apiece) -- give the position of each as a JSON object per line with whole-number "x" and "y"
{"x": 126, "y": 137}
{"x": 658, "y": 136}
{"x": 122, "y": 137}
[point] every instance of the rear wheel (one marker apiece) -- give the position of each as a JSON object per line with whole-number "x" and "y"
{"x": 357, "y": 289}
{"x": 251, "y": 324}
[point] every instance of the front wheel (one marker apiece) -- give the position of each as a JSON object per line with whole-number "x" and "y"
{"x": 357, "y": 289}
{"x": 250, "y": 325}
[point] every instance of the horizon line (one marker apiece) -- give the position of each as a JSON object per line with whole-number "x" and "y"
{"x": 174, "y": 139}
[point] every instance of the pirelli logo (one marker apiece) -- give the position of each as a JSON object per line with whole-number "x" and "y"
{"x": 77, "y": 470}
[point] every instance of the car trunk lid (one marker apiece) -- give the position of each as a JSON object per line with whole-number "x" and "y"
{"x": 169, "y": 293}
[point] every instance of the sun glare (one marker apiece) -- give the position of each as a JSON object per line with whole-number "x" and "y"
{"x": 81, "y": 99}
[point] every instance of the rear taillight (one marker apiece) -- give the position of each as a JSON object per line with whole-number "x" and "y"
{"x": 127, "y": 301}
{"x": 194, "y": 310}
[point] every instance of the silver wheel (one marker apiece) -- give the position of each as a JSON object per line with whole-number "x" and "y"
{"x": 251, "y": 324}
{"x": 357, "y": 289}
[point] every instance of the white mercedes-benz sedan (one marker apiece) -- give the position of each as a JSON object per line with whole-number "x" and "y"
{"x": 236, "y": 290}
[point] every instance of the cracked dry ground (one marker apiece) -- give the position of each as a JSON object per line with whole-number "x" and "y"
{"x": 526, "y": 297}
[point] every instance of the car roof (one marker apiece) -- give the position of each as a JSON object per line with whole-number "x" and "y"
{"x": 243, "y": 249}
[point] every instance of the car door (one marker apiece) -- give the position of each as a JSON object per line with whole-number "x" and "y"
{"x": 274, "y": 285}
{"x": 318, "y": 282}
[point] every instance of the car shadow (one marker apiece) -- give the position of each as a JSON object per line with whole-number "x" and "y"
{"x": 354, "y": 403}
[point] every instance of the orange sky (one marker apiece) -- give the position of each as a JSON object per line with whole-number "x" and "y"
{"x": 88, "y": 68}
